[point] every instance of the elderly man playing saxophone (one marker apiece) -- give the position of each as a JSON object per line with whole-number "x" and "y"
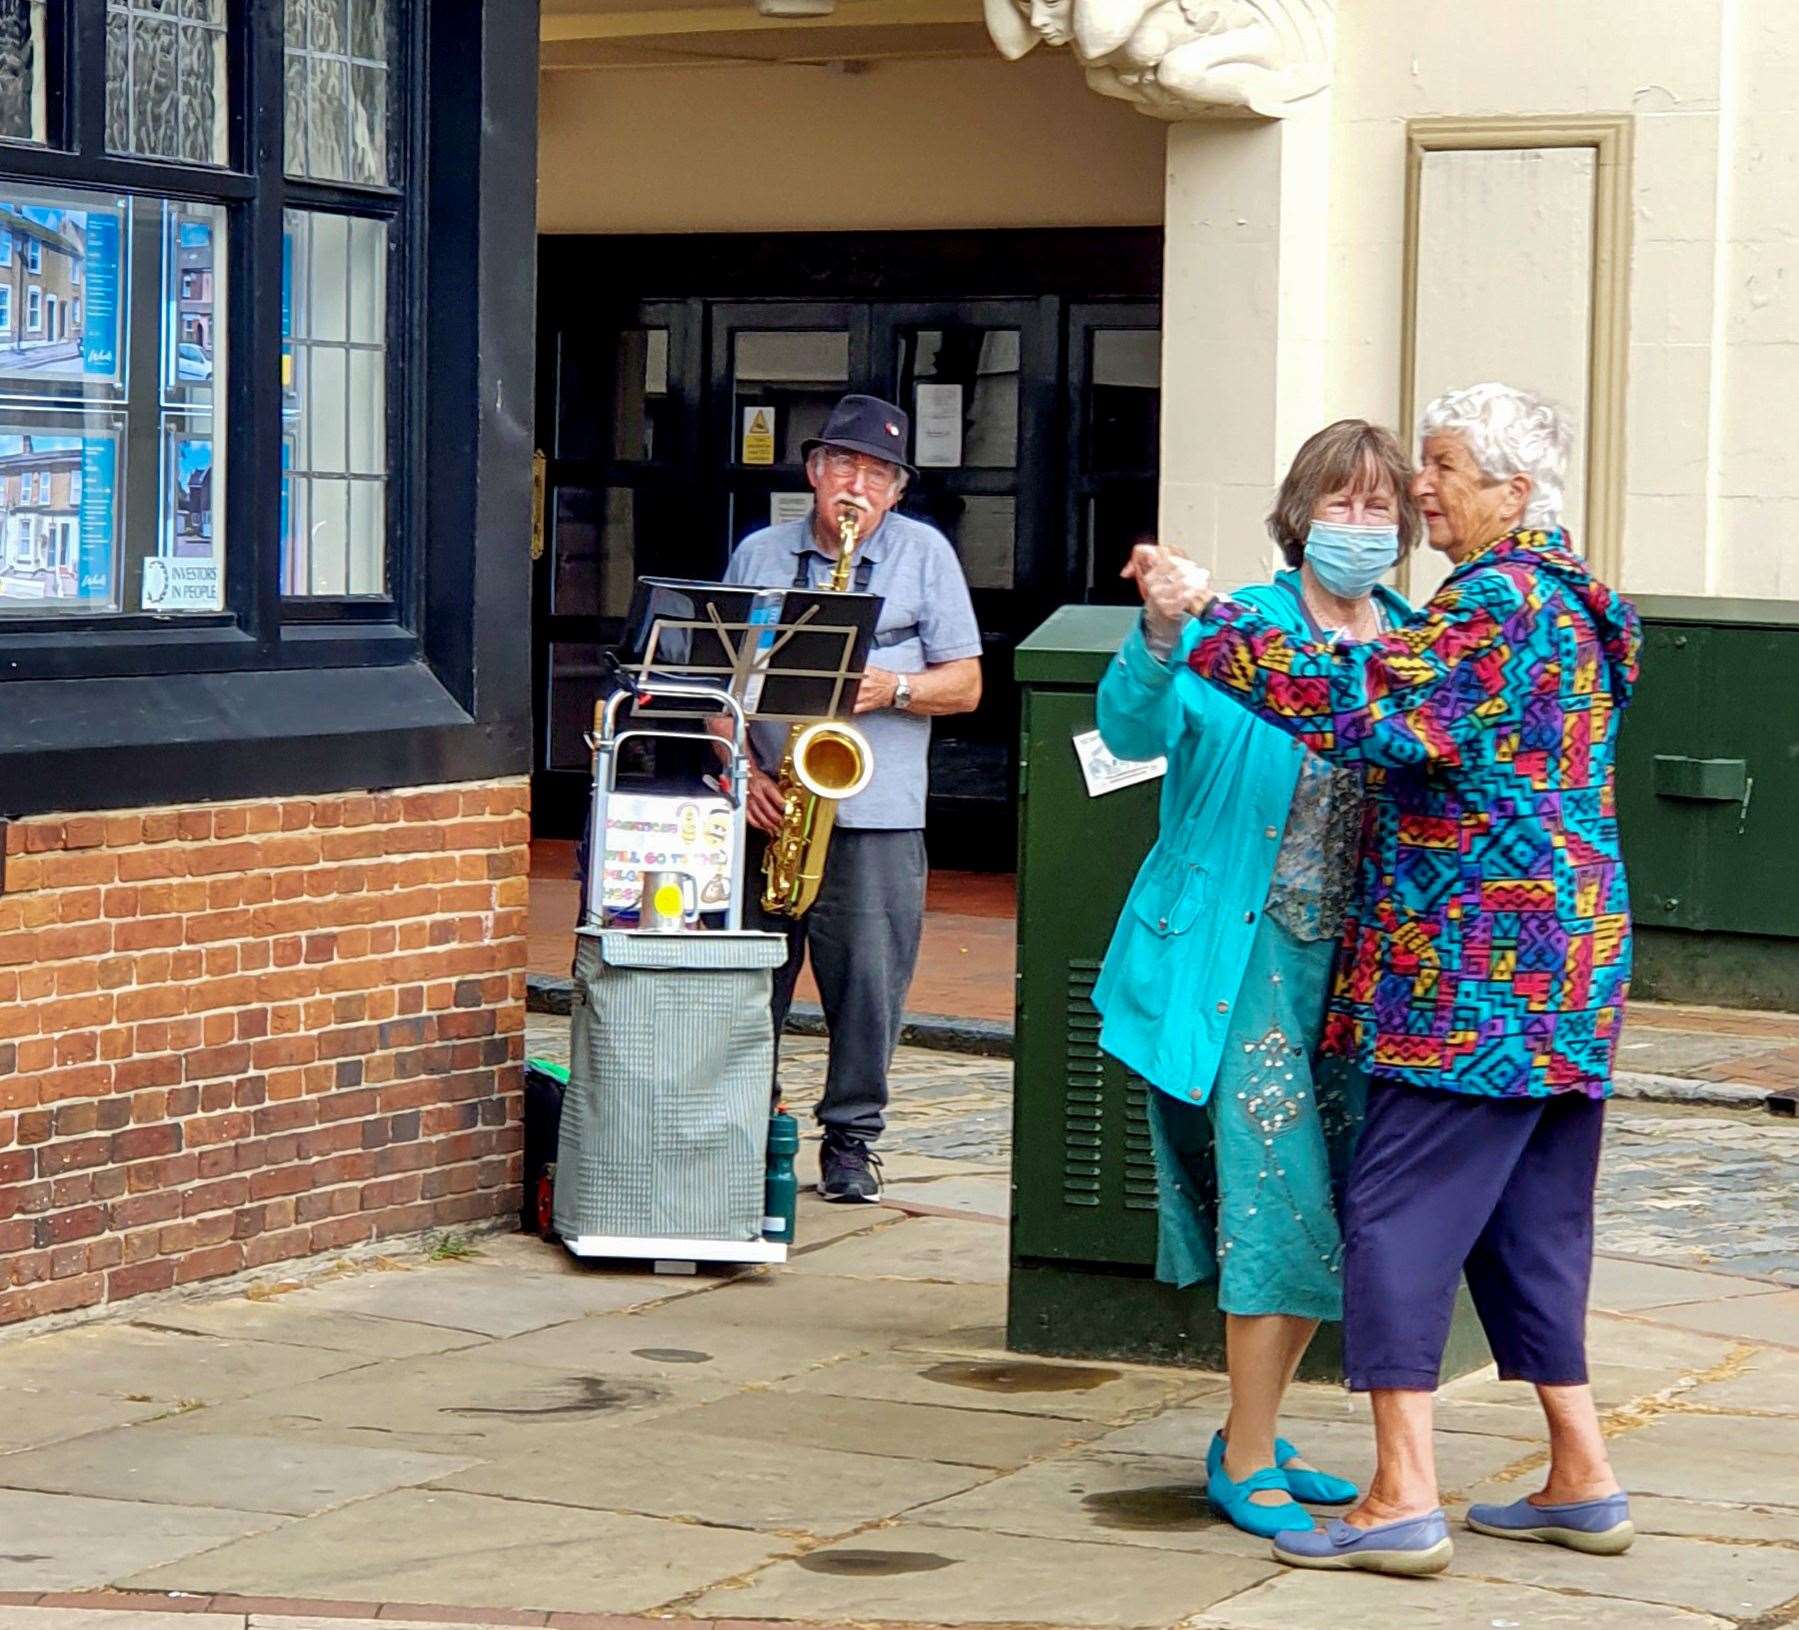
{"x": 1482, "y": 972}
{"x": 863, "y": 929}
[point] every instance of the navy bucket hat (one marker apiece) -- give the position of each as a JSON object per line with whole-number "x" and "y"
{"x": 865, "y": 424}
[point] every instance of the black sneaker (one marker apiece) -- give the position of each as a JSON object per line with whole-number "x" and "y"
{"x": 849, "y": 1172}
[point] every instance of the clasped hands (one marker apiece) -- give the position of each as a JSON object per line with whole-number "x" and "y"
{"x": 1173, "y": 587}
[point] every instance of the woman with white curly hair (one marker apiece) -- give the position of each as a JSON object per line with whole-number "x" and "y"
{"x": 1482, "y": 972}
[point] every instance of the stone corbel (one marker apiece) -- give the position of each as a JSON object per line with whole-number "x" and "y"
{"x": 1183, "y": 59}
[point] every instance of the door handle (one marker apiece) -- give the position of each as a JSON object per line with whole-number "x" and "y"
{"x": 1702, "y": 780}
{"x": 540, "y": 467}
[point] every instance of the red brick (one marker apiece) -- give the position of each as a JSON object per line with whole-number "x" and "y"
{"x": 140, "y": 1278}
{"x": 210, "y": 1263}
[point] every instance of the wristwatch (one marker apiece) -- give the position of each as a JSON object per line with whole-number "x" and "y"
{"x": 902, "y": 693}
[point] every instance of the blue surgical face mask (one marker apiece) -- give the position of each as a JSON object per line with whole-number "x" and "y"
{"x": 1350, "y": 560}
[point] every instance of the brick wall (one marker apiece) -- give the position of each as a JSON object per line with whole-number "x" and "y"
{"x": 240, "y": 1033}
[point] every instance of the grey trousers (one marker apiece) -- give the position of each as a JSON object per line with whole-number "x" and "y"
{"x": 862, "y": 932}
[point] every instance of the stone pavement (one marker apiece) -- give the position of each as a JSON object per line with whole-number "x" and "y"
{"x": 515, "y": 1438}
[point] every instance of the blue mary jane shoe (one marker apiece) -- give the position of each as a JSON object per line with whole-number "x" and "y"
{"x": 1233, "y": 1503}
{"x": 1597, "y": 1527}
{"x": 1315, "y": 1488}
{"x": 1411, "y": 1546}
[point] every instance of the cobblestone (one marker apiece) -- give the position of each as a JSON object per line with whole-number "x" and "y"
{"x": 1687, "y": 1186}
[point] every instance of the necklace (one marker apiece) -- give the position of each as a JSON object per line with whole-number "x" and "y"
{"x": 1364, "y": 624}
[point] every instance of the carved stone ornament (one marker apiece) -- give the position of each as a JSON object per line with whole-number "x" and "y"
{"x": 1183, "y": 59}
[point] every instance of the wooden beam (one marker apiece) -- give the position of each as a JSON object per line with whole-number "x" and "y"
{"x": 739, "y": 18}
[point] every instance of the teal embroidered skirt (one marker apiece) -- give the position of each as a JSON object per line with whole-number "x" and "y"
{"x": 1248, "y": 1182}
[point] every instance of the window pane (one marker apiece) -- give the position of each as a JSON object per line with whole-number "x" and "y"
{"x": 595, "y": 547}
{"x": 340, "y": 90}
{"x": 964, "y": 388}
{"x": 187, "y": 572}
{"x": 111, "y": 478}
{"x": 1125, "y": 399}
{"x": 165, "y": 80}
{"x": 640, "y": 418}
{"x": 576, "y": 677}
{"x": 60, "y": 504}
{"x": 1117, "y": 519}
{"x": 983, "y": 529}
{"x": 22, "y": 116}
{"x": 334, "y": 395}
{"x": 786, "y": 383}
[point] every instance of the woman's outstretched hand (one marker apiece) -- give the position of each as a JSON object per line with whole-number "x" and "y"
{"x": 1173, "y": 587}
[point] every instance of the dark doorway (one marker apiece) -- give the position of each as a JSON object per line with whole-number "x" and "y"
{"x": 680, "y": 376}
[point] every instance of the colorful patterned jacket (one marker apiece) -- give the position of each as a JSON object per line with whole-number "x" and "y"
{"x": 1488, "y": 950}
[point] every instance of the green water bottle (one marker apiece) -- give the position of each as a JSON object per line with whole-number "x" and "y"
{"x": 783, "y": 1193}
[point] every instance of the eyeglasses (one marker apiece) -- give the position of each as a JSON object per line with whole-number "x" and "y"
{"x": 877, "y": 474}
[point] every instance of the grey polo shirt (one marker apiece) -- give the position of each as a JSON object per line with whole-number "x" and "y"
{"x": 913, "y": 567}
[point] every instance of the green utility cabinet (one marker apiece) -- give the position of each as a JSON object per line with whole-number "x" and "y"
{"x": 1708, "y": 793}
{"x": 1082, "y": 1281}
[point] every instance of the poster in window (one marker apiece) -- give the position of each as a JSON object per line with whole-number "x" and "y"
{"x": 190, "y": 317}
{"x": 58, "y": 518}
{"x": 186, "y": 573}
{"x": 62, "y": 294}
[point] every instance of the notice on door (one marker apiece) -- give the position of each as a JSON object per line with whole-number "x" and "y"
{"x": 758, "y": 435}
{"x": 789, "y": 506}
{"x": 938, "y": 423}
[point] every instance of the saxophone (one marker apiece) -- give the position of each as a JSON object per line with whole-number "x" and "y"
{"x": 824, "y": 762}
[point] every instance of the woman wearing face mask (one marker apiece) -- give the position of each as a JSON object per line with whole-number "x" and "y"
{"x": 1214, "y": 987}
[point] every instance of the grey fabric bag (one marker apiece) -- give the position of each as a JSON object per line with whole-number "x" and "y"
{"x": 665, "y": 1121}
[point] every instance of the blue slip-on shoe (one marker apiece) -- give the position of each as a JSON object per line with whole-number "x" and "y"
{"x": 1313, "y": 1487}
{"x": 1215, "y": 1455}
{"x": 1597, "y": 1527}
{"x": 1411, "y": 1546}
{"x": 1232, "y": 1502}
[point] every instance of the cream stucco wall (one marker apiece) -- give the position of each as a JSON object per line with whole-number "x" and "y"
{"x": 1712, "y": 466}
{"x": 958, "y": 143}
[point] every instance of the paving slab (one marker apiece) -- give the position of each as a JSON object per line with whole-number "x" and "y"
{"x": 1624, "y": 1286}
{"x": 159, "y": 1366}
{"x": 30, "y": 1416}
{"x": 1697, "y": 1519}
{"x": 1345, "y": 1448}
{"x": 776, "y": 1488}
{"x": 766, "y": 1326}
{"x": 817, "y": 1222}
{"x": 1504, "y": 1409}
{"x": 1767, "y": 1384}
{"x": 980, "y": 1196}
{"x": 1712, "y": 1457}
{"x": 655, "y": 1346}
{"x": 945, "y": 1250}
{"x": 467, "y": 1550}
{"x": 1004, "y": 1382}
{"x": 1733, "y": 1581}
{"x": 64, "y": 1542}
{"x": 1747, "y": 1318}
{"x": 105, "y": 1618}
{"x": 943, "y": 1576}
{"x": 1114, "y": 1499}
{"x": 232, "y": 1473}
{"x": 1311, "y": 1600}
{"x": 904, "y": 1166}
{"x": 303, "y": 1323}
{"x": 956, "y": 1437}
{"x": 488, "y": 1300}
{"x": 466, "y": 1404}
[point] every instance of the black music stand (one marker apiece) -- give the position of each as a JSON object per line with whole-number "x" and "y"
{"x": 787, "y": 655}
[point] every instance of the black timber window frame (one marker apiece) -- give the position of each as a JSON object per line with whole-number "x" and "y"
{"x": 275, "y": 695}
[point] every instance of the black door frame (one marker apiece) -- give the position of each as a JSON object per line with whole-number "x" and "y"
{"x": 702, "y": 287}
